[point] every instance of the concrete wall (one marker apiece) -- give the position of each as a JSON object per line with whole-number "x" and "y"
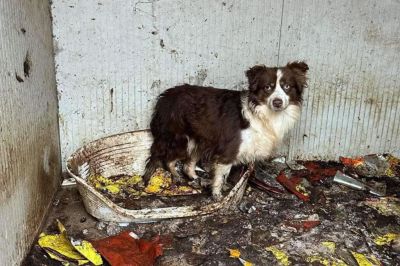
{"x": 29, "y": 144}
{"x": 121, "y": 54}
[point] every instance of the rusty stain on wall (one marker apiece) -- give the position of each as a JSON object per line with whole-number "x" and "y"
{"x": 29, "y": 139}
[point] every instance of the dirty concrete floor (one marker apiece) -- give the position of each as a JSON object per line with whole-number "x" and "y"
{"x": 260, "y": 221}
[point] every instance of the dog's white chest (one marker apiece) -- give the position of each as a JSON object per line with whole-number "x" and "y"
{"x": 259, "y": 140}
{"x": 256, "y": 144}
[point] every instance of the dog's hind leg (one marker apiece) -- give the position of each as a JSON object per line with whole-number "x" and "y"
{"x": 189, "y": 168}
{"x": 172, "y": 168}
{"x": 219, "y": 173}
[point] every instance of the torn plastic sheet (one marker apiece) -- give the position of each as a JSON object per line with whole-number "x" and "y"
{"x": 126, "y": 249}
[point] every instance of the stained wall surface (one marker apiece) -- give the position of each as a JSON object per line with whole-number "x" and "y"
{"x": 29, "y": 138}
{"x": 121, "y": 54}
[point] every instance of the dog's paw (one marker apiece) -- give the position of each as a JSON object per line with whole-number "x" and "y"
{"x": 217, "y": 196}
{"x": 195, "y": 183}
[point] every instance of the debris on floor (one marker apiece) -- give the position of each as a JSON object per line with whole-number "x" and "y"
{"x": 160, "y": 184}
{"x": 387, "y": 206}
{"x": 273, "y": 224}
{"x": 130, "y": 192}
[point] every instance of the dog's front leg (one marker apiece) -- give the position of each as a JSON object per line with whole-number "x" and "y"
{"x": 219, "y": 173}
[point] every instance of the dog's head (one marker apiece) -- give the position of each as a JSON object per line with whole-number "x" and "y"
{"x": 275, "y": 87}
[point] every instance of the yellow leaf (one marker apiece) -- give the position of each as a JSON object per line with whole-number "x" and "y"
{"x": 362, "y": 260}
{"x": 158, "y": 182}
{"x": 60, "y": 244}
{"x": 88, "y": 251}
{"x": 234, "y": 253}
{"x": 386, "y": 239}
{"x": 60, "y": 248}
{"x": 281, "y": 256}
{"x": 326, "y": 261}
{"x": 113, "y": 189}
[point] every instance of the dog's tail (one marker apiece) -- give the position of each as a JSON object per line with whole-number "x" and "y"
{"x": 158, "y": 152}
{"x": 151, "y": 166}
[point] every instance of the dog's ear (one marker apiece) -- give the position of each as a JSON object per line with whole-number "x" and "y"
{"x": 298, "y": 66}
{"x": 252, "y": 75}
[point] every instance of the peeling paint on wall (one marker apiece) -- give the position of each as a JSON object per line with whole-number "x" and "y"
{"x": 29, "y": 139}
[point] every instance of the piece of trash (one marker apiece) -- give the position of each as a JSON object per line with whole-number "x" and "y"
{"x": 56, "y": 202}
{"x": 295, "y": 166}
{"x": 386, "y": 239}
{"x": 394, "y": 166}
{"x": 395, "y": 245}
{"x": 135, "y": 236}
{"x": 123, "y": 224}
{"x": 281, "y": 159}
{"x": 331, "y": 246}
{"x": 247, "y": 207}
{"x": 326, "y": 261}
{"x": 330, "y": 261}
{"x": 318, "y": 171}
{"x": 346, "y": 180}
{"x": 101, "y": 225}
{"x": 363, "y": 260}
{"x": 60, "y": 248}
{"x": 385, "y": 205}
{"x": 353, "y": 162}
{"x": 88, "y": 251}
{"x": 235, "y": 253}
{"x": 68, "y": 182}
{"x": 373, "y": 165}
{"x": 199, "y": 169}
{"x": 85, "y": 232}
{"x": 261, "y": 185}
{"x": 281, "y": 256}
{"x": 123, "y": 249}
{"x": 113, "y": 229}
{"x": 292, "y": 186}
{"x": 306, "y": 225}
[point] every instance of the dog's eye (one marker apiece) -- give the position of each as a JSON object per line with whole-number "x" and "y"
{"x": 268, "y": 88}
{"x": 286, "y": 87}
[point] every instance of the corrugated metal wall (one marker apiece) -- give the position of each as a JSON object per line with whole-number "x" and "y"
{"x": 122, "y": 54}
{"x": 29, "y": 144}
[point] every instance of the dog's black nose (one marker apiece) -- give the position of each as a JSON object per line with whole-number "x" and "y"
{"x": 277, "y": 103}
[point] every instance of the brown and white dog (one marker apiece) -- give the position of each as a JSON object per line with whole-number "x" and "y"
{"x": 225, "y": 127}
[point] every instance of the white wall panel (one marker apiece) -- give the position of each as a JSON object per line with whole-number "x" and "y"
{"x": 353, "y": 49}
{"x": 114, "y": 57}
{"x": 29, "y": 139}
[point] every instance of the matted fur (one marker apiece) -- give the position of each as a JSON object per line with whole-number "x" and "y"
{"x": 226, "y": 127}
